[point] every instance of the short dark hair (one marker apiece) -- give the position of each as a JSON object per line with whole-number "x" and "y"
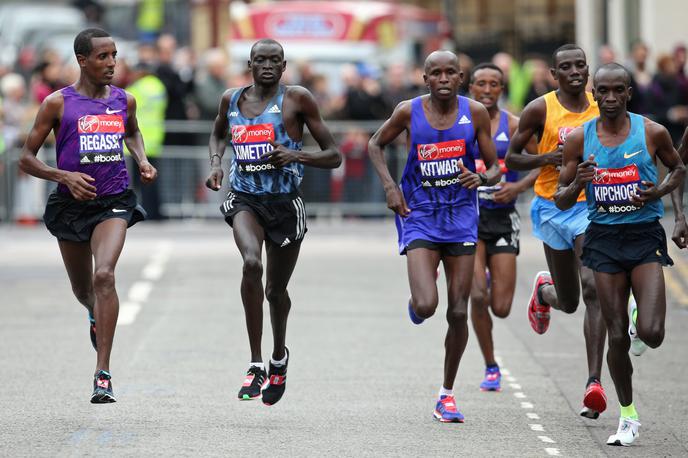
{"x": 82, "y": 42}
{"x": 612, "y": 66}
{"x": 265, "y": 41}
{"x": 488, "y": 66}
{"x": 566, "y": 47}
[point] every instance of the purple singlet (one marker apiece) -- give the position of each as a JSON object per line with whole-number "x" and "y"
{"x": 90, "y": 139}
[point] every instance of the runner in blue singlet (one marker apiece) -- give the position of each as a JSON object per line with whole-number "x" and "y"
{"x": 436, "y": 204}
{"x": 263, "y": 124}
{"x": 613, "y": 158}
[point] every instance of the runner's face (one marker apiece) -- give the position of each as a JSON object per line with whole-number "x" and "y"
{"x": 611, "y": 92}
{"x": 267, "y": 64}
{"x": 99, "y": 66}
{"x": 487, "y": 87}
{"x": 443, "y": 77}
{"x": 571, "y": 71}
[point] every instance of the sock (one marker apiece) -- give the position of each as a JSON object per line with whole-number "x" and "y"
{"x": 629, "y": 412}
{"x": 634, "y": 316}
{"x": 260, "y": 365}
{"x": 91, "y": 318}
{"x": 446, "y": 392}
{"x": 492, "y": 366}
{"x": 591, "y": 380}
{"x": 281, "y": 362}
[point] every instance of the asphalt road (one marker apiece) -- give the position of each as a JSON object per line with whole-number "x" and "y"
{"x": 362, "y": 378}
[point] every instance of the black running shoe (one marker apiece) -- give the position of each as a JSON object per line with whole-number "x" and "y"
{"x": 277, "y": 383}
{"x": 92, "y": 332}
{"x": 102, "y": 389}
{"x": 255, "y": 378}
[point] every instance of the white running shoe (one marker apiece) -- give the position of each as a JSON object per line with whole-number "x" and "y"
{"x": 626, "y": 434}
{"x": 638, "y": 347}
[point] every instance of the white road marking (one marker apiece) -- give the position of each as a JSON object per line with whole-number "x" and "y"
{"x": 527, "y": 405}
{"x": 515, "y": 386}
{"x": 127, "y": 313}
{"x": 505, "y": 371}
{"x": 140, "y": 291}
{"x": 536, "y": 427}
{"x": 546, "y": 439}
{"x": 520, "y": 395}
{"x": 532, "y": 415}
{"x": 511, "y": 379}
{"x": 552, "y": 451}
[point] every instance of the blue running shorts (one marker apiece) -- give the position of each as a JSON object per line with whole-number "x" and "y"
{"x": 558, "y": 228}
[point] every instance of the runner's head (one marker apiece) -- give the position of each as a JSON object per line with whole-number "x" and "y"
{"x": 570, "y": 68}
{"x": 487, "y": 83}
{"x": 267, "y": 62}
{"x": 612, "y": 89}
{"x": 442, "y": 74}
{"x": 96, "y": 54}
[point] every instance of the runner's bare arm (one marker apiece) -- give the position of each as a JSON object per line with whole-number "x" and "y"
{"x": 328, "y": 157}
{"x": 134, "y": 141}
{"x": 575, "y": 172}
{"x": 531, "y": 122}
{"x": 488, "y": 151}
{"x": 680, "y": 234}
{"x": 391, "y": 129}
{"x": 664, "y": 149}
{"x": 218, "y": 142}
{"x": 47, "y": 119}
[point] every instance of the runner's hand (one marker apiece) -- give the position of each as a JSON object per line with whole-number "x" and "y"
{"x": 468, "y": 179}
{"x": 508, "y": 192}
{"x": 646, "y": 194}
{"x": 680, "y": 235}
{"x": 214, "y": 180}
{"x": 80, "y": 186}
{"x": 555, "y": 157}
{"x": 148, "y": 172}
{"x": 280, "y": 155}
{"x": 585, "y": 171}
{"x": 397, "y": 203}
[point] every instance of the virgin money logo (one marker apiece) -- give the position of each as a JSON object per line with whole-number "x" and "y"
{"x": 628, "y": 174}
{"x": 89, "y": 124}
{"x": 563, "y": 133}
{"x": 259, "y": 133}
{"x": 104, "y": 124}
{"x": 442, "y": 150}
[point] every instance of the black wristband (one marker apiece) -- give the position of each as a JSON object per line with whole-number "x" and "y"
{"x": 483, "y": 178}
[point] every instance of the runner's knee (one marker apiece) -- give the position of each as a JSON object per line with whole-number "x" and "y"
{"x": 84, "y": 295}
{"x": 501, "y": 310}
{"x": 589, "y": 293}
{"x": 275, "y": 296}
{"x": 652, "y": 335}
{"x": 457, "y": 316}
{"x": 424, "y": 308}
{"x": 104, "y": 279}
{"x": 618, "y": 338}
{"x": 479, "y": 299}
{"x": 253, "y": 267}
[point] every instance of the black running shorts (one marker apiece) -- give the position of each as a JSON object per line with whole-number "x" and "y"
{"x": 445, "y": 249}
{"x": 283, "y": 216}
{"x": 499, "y": 229}
{"x": 74, "y": 220}
{"x": 614, "y": 248}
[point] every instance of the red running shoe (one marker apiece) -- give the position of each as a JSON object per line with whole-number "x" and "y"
{"x": 595, "y": 399}
{"x": 538, "y": 312}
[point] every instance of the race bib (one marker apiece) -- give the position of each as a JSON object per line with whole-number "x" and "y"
{"x": 613, "y": 188}
{"x": 250, "y": 143}
{"x": 100, "y": 139}
{"x": 439, "y": 163}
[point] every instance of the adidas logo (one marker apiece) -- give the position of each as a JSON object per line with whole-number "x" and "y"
{"x": 286, "y": 241}
{"x": 601, "y": 210}
{"x": 464, "y": 120}
{"x": 85, "y": 160}
{"x": 426, "y": 184}
{"x": 274, "y": 109}
{"x": 233, "y": 114}
{"x": 501, "y": 242}
{"x": 502, "y": 137}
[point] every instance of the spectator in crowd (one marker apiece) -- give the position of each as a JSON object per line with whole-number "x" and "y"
{"x": 679, "y": 56}
{"x": 45, "y": 80}
{"x": 363, "y": 98}
{"x": 541, "y": 80}
{"x": 211, "y": 83}
{"x": 177, "y": 89}
{"x": 668, "y": 103}
{"x": 151, "y": 104}
{"x": 466, "y": 65}
{"x": 641, "y": 76}
{"x": 354, "y": 148}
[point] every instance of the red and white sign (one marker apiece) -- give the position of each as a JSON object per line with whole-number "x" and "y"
{"x": 258, "y": 133}
{"x": 628, "y": 174}
{"x": 442, "y": 150}
{"x": 104, "y": 124}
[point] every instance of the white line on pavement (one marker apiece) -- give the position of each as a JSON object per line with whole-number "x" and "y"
{"x": 140, "y": 291}
{"x": 127, "y": 313}
{"x": 532, "y": 415}
{"x": 552, "y": 451}
{"x": 527, "y": 405}
{"x": 536, "y": 427}
{"x": 546, "y": 439}
{"x": 520, "y": 395}
{"x": 515, "y": 386}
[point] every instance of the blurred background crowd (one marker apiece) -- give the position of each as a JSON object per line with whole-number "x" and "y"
{"x": 178, "y": 57}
